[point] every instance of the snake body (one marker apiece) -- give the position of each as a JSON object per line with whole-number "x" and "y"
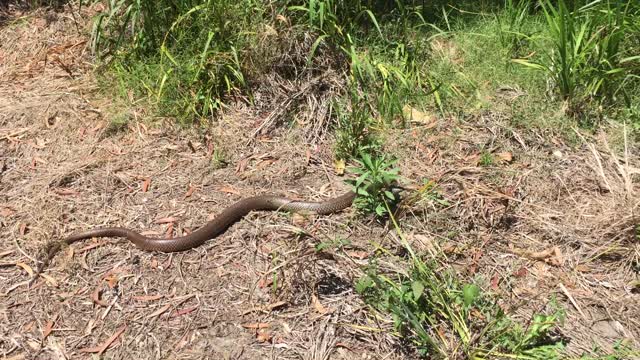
{"x": 213, "y": 228}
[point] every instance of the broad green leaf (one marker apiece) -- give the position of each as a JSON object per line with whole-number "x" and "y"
{"x": 418, "y": 289}
{"x": 470, "y": 293}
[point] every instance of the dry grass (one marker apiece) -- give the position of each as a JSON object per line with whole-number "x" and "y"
{"x": 66, "y": 168}
{"x": 543, "y": 220}
{"x": 553, "y": 221}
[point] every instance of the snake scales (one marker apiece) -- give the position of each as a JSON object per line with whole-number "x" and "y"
{"x": 213, "y": 228}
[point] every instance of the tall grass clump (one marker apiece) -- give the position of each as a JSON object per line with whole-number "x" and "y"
{"x": 514, "y": 28}
{"x": 183, "y": 55}
{"x": 590, "y": 53}
{"x": 385, "y": 44}
{"x": 187, "y": 56}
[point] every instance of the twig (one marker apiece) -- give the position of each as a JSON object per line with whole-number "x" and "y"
{"x": 573, "y": 301}
{"x": 597, "y": 157}
{"x": 15, "y": 241}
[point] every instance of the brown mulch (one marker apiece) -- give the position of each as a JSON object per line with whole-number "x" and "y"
{"x": 545, "y": 220}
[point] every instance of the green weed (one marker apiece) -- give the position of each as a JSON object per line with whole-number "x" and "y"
{"x": 486, "y": 159}
{"x": 116, "y": 124}
{"x": 443, "y": 317}
{"x": 376, "y": 175}
{"x": 621, "y": 351}
{"x": 218, "y": 159}
{"x": 337, "y": 244}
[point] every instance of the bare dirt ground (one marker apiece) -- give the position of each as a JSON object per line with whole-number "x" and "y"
{"x": 546, "y": 220}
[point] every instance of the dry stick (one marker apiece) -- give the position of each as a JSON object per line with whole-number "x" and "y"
{"x": 596, "y": 157}
{"x": 566, "y": 188}
{"x": 573, "y": 301}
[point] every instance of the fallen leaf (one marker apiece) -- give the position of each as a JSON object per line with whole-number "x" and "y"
{"x": 146, "y": 184}
{"x": 495, "y": 281}
{"x": 552, "y": 255}
{"x": 505, "y": 156}
{"x": 265, "y": 282}
{"x": 184, "y": 311}
{"x": 558, "y": 256}
{"x": 65, "y": 192}
{"x": 298, "y": 219}
{"x": 91, "y": 324}
{"x": 166, "y": 220}
{"x": 91, "y": 246}
{"x": 190, "y": 191}
{"x": 51, "y": 281}
{"x": 49, "y": 327}
{"x": 317, "y": 305}
{"x": 169, "y": 232}
{"x": 414, "y": 115}
{"x": 102, "y": 348}
{"x": 147, "y": 297}
{"x": 256, "y": 325}
{"x": 583, "y": 268}
{"x": 358, "y": 254}
{"x": 522, "y": 272}
{"x": 242, "y": 164}
{"x": 343, "y": 345}
{"x": 28, "y": 327}
{"x": 6, "y": 212}
{"x": 159, "y": 311}
{"x": 263, "y": 336}
{"x": 265, "y": 162}
{"x": 23, "y": 229}
{"x": 112, "y": 280}
{"x": 308, "y": 156}
{"x": 267, "y": 307}
{"x": 40, "y": 143}
{"x": 26, "y": 268}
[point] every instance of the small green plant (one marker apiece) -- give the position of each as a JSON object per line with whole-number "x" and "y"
{"x": 375, "y": 174}
{"x": 337, "y": 243}
{"x": 621, "y": 351}
{"x": 218, "y": 159}
{"x": 117, "y": 124}
{"x": 486, "y": 159}
{"x": 429, "y": 192}
{"x": 353, "y": 135}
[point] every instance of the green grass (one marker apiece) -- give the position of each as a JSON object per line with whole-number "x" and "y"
{"x": 185, "y": 58}
{"x": 588, "y": 53}
{"x": 444, "y": 317}
{"x": 621, "y": 351}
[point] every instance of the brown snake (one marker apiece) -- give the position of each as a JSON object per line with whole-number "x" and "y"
{"x": 210, "y": 230}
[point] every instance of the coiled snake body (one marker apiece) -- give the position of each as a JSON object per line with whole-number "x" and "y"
{"x": 212, "y": 229}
